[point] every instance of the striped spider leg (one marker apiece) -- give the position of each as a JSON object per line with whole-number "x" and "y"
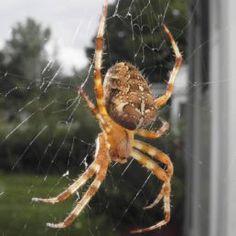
{"x": 99, "y": 169}
{"x": 164, "y": 175}
{"x": 161, "y": 101}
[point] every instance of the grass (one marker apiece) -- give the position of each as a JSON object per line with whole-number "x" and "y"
{"x": 19, "y": 216}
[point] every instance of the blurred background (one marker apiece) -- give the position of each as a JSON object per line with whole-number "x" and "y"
{"x": 47, "y": 134}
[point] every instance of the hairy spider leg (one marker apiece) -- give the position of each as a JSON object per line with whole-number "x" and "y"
{"x": 163, "y": 158}
{"x": 92, "y": 169}
{"x": 98, "y": 167}
{"x": 154, "y": 134}
{"x": 160, "y": 174}
{"x": 100, "y": 155}
{"x": 98, "y": 87}
{"x": 90, "y": 104}
{"x": 178, "y": 61}
{"x": 94, "y": 110}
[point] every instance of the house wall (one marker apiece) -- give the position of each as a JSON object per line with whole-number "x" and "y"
{"x": 197, "y": 151}
{"x": 223, "y": 97}
{"x": 211, "y": 127}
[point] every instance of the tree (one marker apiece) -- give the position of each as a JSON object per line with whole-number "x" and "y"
{"x": 134, "y": 33}
{"x": 23, "y": 58}
{"x": 22, "y": 63}
{"x": 26, "y": 91}
{"x": 25, "y": 51}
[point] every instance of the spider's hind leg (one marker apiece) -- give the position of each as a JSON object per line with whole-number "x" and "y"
{"x": 178, "y": 62}
{"x": 98, "y": 87}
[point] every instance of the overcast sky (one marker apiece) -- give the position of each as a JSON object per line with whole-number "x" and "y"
{"x": 73, "y": 24}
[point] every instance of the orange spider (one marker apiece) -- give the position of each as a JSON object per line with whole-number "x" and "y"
{"x": 124, "y": 106}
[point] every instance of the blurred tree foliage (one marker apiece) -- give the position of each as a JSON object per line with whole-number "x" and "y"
{"x": 37, "y": 101}
{"x": 25, "y": 51}
{"x": 23, "y": 60}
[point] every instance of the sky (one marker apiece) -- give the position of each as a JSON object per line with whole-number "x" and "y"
{"x": 73, "y": 24}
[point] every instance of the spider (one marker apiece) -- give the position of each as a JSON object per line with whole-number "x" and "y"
{"x": 125, "y": 106}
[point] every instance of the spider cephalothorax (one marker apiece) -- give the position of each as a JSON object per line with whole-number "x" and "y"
{"x": 124, "y": 107}
{"x": 128, "y": 99}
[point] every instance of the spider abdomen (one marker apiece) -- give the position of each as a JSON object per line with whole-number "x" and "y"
{"x": 128, "y": 99}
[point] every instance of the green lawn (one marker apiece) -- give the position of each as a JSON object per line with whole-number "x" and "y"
{"x": 19, "y": 216}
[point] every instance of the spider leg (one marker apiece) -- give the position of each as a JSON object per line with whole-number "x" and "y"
{"x": 99, "y": 166}
{"x": 90, "y": 104}
{"x": 163, "y": 158}
{"x": 85, "y": 199}
{"x": 102, "y": 164}
{"x": 92, "y": 169}
{"x": 154, "y": 134}
{"x": 178, "y": 61}
{"x": 98, "y": 87}
{"x": 93, "y": 108}
{"x": 165, "y": 176}
{"x": 156, "y": 153}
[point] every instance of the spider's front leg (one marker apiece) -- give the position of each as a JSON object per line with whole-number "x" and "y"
{"x": 99, "y": 168}
{"x": 161, "y": 174}
{"x": 92, "y": 169}
{"x": 163, "y": 158}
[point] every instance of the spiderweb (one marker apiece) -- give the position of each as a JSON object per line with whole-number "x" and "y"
{"x": 47, "y": 133}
